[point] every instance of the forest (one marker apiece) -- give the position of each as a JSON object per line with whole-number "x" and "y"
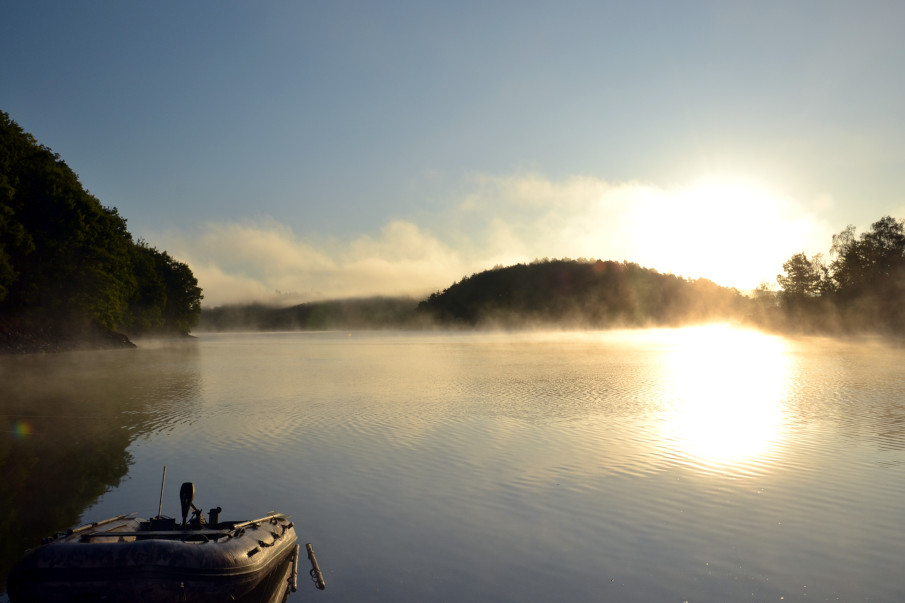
{"x": 545, "y": 293}
{"x": 858, "y": 288}
{"x": 71, "y": 274}
{"x": 366, "y": 313}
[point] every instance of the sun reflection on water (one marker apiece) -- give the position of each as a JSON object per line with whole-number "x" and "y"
{"x": 728, "y": 387}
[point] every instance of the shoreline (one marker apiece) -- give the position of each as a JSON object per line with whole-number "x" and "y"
{"x": 24, "y": 336}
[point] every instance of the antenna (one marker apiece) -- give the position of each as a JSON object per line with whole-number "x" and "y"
{"x": 162, "y": 482}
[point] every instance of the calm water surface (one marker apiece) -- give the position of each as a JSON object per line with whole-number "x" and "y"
{"x": 703, "y": 464}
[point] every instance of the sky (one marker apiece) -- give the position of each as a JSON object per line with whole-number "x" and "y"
{"x": 290, "y": 151}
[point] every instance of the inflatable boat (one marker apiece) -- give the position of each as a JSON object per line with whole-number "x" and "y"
{"x": 129, "y": 558}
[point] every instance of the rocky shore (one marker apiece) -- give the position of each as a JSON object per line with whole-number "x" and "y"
{"x": 20, "y": 338}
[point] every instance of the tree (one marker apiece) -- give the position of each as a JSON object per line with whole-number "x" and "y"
{"x": 802, "y": 277}
{"x": 14, "y": 239}
{"x": 149, "y": 299}
{"x": 68, "y": 264}
{"x": 869, "y": 275}
{"x": 862, "y": 288}
{"x": 167, "y": 298}
{"x": 183, "y": 307}
{"x": 872, "y": 262}
{"x": 66, "y": 257}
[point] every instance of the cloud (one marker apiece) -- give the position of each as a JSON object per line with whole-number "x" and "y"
{"x": 268, "y": 262}
{"x": 731, "y": 232}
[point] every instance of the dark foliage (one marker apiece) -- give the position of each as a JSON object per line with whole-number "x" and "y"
{"x": 861, "y": 290}
{"x": 69, "y": 268}
{"x": 558, "y": 293}
{"x": 371, "y": 313}
{"x": 581, "y": 294}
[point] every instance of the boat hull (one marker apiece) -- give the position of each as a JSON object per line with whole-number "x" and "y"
{"x": 121, "y": 562}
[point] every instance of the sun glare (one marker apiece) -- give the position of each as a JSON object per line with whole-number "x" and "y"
{"x": 731, "y": 232}
{"x": 728, "y": 388}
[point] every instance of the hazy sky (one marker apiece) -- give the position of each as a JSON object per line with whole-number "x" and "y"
{"x": 314, "y": 149}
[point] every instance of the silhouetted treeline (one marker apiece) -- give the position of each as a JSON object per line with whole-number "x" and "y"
{"x": 69, "y": 269}
{"x": 592, "y": 294}
{"x": 557, "y": 293}
{"x": 860, "y": 289}
{"x": 370, "y": 313}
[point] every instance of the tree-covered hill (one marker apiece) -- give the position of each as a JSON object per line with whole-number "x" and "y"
{"x": 558, "y": 293}
{"x": 592, "y": 294}
{"x": 368, "y": 313}
{"x": 70, "y": 273}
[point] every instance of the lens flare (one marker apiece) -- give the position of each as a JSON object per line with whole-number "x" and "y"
{"x": 22, "y": 429}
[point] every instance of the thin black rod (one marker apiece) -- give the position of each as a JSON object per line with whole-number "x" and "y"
{"x": 162, "y": 482}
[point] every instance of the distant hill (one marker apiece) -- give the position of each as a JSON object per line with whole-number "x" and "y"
{"x": 591, "y": 294}
{"x": 558, "y": 293}
{"x": 368, "y": 313}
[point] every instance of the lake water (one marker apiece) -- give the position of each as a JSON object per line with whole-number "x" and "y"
{"x": 700, "y": 464}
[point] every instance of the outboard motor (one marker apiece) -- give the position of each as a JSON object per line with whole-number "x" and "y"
{"x": 186, "y": 496}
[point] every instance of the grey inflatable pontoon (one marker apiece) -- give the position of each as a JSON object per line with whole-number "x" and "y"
{"x": 128, "y": 558}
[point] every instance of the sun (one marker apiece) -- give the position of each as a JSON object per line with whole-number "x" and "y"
{"x": 733, "y": 232}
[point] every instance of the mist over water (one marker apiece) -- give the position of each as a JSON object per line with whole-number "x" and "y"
{"x": 698, "y": 464}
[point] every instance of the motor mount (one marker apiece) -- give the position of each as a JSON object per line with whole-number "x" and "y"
{"x": 186, "y": 497}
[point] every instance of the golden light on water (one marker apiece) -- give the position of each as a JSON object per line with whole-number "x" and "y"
{"x": 728, "y": 387}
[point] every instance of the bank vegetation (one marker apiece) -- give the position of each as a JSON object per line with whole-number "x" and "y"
{"x": 71, "y": 274}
